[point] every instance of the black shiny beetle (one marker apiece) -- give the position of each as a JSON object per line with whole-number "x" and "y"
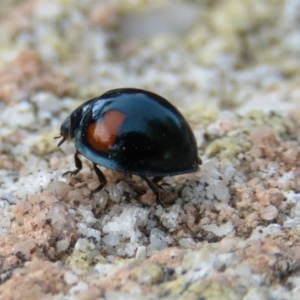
{"x": 132, "y": 131}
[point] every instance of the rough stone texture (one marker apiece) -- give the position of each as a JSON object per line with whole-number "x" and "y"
{"x": 229, "y": 231}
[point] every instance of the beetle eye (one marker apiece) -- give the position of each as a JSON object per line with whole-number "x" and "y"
{"x": 61, "y": 141}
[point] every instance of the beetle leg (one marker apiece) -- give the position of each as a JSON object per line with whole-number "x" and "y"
{"x": 101, "y": 179}
{"x": 78, "y": 165}
{"x": 154, "y": 187}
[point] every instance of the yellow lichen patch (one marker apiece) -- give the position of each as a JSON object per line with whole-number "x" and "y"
{"x": 84, "y": 256}
{"x": 205, "y": 289}
{"x": 148, "y": 274}
{"x": 46, "y": 144}
{"x": 140, "y": 6}
{"x": 227, "y": 148}
{"x": 257, "y": 118}
{"x": 174, "y": 288}
{"x": 201, "y": 113}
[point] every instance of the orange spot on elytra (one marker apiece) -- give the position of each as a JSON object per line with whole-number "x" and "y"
{"x": 101, "y": 136}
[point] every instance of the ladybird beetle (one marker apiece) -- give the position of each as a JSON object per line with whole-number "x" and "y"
{"x": 132, "y": 131}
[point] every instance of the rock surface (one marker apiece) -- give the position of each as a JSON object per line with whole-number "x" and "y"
{"x": 229, "y": 231}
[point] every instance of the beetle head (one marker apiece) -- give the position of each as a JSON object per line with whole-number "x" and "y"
{"x": 70, "y": 126}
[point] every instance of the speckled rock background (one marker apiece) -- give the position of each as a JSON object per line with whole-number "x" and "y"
{"x": 229, "y": 231}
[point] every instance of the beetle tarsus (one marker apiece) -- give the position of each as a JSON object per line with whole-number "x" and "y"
{"x": 70, "y": 173}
